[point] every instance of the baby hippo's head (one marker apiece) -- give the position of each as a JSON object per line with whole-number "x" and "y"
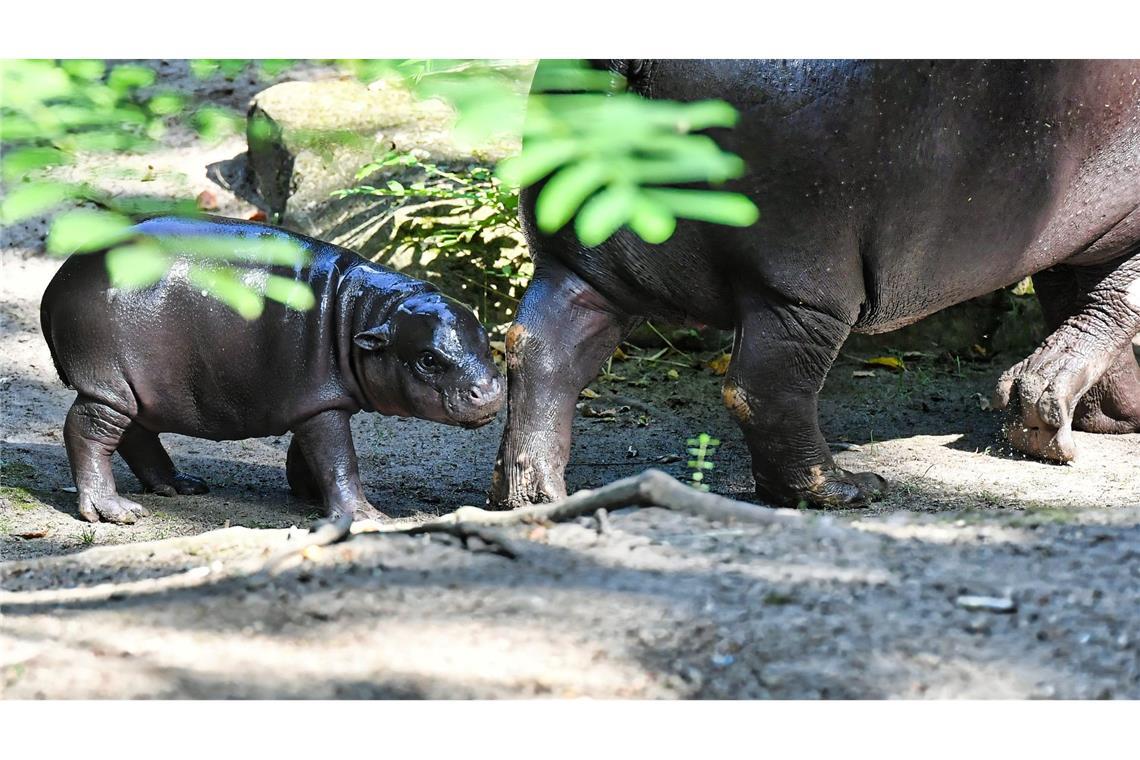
{"x": 430, "y": 359}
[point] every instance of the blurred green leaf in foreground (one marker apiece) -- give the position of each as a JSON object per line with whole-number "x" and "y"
{"x": 608, "y": 158}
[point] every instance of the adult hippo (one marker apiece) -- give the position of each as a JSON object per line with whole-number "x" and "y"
{"x": 170, "y": 358}
{"x": 888, "y": 190}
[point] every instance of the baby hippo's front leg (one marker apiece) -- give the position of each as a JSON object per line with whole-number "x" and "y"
{"x": 327, "y": 467}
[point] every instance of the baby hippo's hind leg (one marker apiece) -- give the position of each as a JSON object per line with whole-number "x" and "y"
{"x": 91, "y": 433}
{"x": 302, "y": 482}
{"x": 150, "y": 463}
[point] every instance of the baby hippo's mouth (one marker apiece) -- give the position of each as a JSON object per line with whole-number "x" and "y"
{"x": 478, "y": 423}
{"x": 478, "y": 406}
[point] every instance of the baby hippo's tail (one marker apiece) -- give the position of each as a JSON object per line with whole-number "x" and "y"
{"x": 45, "y": 326}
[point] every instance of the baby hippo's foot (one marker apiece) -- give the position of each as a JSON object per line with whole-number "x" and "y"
{"x": 826, "y": 486}
{"x": 181, "y": 483}
{"x": 110, "y": 508}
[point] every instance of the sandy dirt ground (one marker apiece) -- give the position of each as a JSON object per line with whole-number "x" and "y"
{"x": 851, "y": 604}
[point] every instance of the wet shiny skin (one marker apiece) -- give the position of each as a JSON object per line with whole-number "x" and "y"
{"x": 169, "y": 358}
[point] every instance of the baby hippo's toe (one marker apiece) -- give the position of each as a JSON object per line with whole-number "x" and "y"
{"x": 110, "y": 508}
{"x": 190, "y": 485}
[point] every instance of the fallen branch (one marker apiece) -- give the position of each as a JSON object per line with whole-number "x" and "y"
{"x": 651, "y": 488}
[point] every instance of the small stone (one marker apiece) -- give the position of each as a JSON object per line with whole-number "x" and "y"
{"x": 986, "y": 604}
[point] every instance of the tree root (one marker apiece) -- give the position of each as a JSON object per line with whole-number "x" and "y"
{"x": 651, "y": 488}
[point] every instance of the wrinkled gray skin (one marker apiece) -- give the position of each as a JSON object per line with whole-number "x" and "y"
{"x": 888, "y": 191}
{"x": 169, "y": 358}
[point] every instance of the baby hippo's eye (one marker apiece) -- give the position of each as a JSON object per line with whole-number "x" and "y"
{"x": 429, "y": 362}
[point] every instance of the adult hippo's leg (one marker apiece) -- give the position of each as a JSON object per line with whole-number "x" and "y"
{"x": 150, "y": 463}
{"x": 781, "y": 356}
{"x": 1084, "y": 375}
{"x": 326, "y": 443}
{"x": 563, "y": 333}
{"x": 91, "y": 434}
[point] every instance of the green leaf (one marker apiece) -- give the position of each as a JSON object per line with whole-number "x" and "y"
{"x": 231, "y": 67}
{"x": 34, "y": 198}
{"x": 566, "y": 191}
{"x": 214, "y": 123}
{"x": 137, "y": 265}
{"x": 126, "y": 77}
{"x": 223, "y": 284}
{"x": 13, "y": 127}
{"x": 293, "y": 293}
{"x": 84, "y": 230}
{"x": 166, "y": 103}
{"x": 652, "y": 220}
{"x": 83, "y": 69}
{"x": 604, "y": 214}
{"x": 18, "y": 163}
{"x": 538, "y": 159}
{"x": 263, "y": 249}
{"x": 733, "y": 209}
{"x": 203, "y": 67}
{"x": 271, "y": 67}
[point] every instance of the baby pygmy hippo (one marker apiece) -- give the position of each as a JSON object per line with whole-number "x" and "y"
{"x": 170, "y": 358}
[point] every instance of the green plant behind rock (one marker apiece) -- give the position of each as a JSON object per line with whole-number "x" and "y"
{"x": 459, "y": 227}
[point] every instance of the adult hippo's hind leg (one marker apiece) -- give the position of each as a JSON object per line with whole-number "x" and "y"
{"x": 91, "y": 434}
{"x": 1084, "y": 375}
{"x": 780, "y": 358}
{"x": 564, "y": 332}
{"x": 150, "y": 463}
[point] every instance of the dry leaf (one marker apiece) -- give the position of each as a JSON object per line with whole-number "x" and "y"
{"x": 862, "y": 373}
{"x": 619, "y": 355}
{"x": 207, "y": 201}
{"x": 890, "y": 362}
{"x": 258, "y": 216}
{"x": 32, "y": 534}
{"x": 588, "y": 393}
{"x": 719, "y": 365}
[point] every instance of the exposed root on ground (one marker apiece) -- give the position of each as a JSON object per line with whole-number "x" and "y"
{"x": 651, "y": 488}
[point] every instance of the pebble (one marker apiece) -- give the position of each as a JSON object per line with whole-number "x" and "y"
{"x": 986, "y": 603}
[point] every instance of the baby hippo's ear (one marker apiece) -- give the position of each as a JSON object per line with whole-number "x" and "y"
{"x": 374, "y": 339}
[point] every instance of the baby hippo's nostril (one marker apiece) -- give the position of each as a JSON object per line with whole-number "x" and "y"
{"x": 485, "y": 390}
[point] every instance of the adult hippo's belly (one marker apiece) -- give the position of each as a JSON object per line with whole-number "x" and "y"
{"x": 888, "y": 191}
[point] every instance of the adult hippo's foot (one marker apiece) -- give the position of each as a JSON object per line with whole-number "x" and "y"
{"x": 1113, "y": 404}
{"x": 563, "y": 333}
{"x": 1084, "y": 376}
{"x": 781, "y": 356}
